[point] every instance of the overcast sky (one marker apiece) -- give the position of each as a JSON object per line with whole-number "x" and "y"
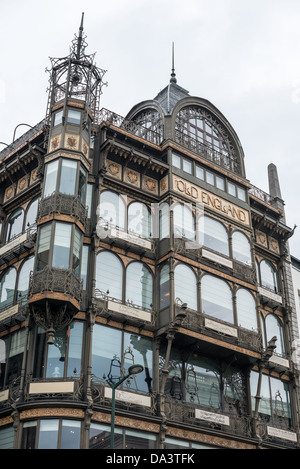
{"x": 241, "y": 55}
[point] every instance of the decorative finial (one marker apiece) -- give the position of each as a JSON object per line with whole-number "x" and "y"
{"x": 80, "y": 37}
{"x": 173, "y": 74}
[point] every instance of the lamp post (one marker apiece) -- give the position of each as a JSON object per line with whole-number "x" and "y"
{"x": 132, "y": 370}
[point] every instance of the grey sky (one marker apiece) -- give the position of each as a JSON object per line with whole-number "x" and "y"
{"x": 242, "y": 55}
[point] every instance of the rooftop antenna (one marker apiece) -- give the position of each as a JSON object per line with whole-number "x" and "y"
{"x": 173, "y": 74}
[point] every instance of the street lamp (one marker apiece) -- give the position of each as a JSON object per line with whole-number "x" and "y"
{"x": 132, "y": 370}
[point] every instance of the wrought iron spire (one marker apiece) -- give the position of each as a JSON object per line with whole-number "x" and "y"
{"x": 173, "y": 74}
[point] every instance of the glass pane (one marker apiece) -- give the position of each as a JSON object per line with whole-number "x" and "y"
{"x": 214, "y": 235}
{"x": 187, "y": 166}
{"x": 176, "y": 161}
{"x": 56, "y": 355}
{"x": 231, "y": 189}
{"x": 61, "y": 247}
{"x": 15, "y": 224}
{"x": 246, "y": 310}
{"x": 89, "y": 194}
{"x": 139, "y": 219}
{"x": 216, "y": 298}
{"x": 68, "y": 177}
{"x": 139, "y": 440}
{"x": 24, "y": 276}
{"x": 48, "y": 434}
{"x": 241, "y": 248}
{"x": 77, "y": 251}
{"x": 70, "y": 434}
{"x": 264, "y": 402}
{"x": 164, "y": 287}
{"x": 184, "y": 223}
{"x": 139, "y": 285}
{"x": 74, "y": 116}
{"x": 43, "y": 247}
{"x": 7, "y": 288}
{"x": 82, "y": 185}
{"x": 84, "y": 265}
{"x": 280, "y": 398}
{"x": 106, "y": 345}
{"x": 112, "y": 209}
{"x": 268, "y": 276}
{"x": 109, "y": 274}
{"x": 138, "y": 350}
{"x": 241, "y": 193}
{"x": 99, "y": 436}
{"x": 220, "y": 183}
{"x": 58, "y": 118}
{"x": 31, "y": 213}
{"x": 75, "y": 348}
{"x": 50, "y": 178}
{"x": 164, "y": 221}
{"x": 185, "y": 285}
{"x": 200, "y": 173}
{"x": 210, "y": 178}
{"x": 274, "y": 328}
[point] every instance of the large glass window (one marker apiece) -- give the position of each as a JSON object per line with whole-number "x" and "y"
{"x": 15, "y": 224}
{"x": 51, "y": 434}
{"x": 31, "y": 213}
{"x": 213, "y": 235}
{"x": 273, "y": 328}
{"x": 23, "y": 280}
{"x": 216, "y": 298}
{"x": 110, "y": 345}
{"x": 164, "y": 221}
{"x": 61, "y": 246}
{"x": 7, "y": 288}
{"x": 11, "y": 363}
{"x": 185, "y": 285}
{"x": 139, "y": 285}
{"x": 184, "y": 222}
{"x": 241, "y": 247}
{"x": 109, "y": 274}
{"x": 62, "y": 358}
{"x": 43, "y": 249}
{"x": 50, "y": 178}
{"x": 275, "y": 397}
{"x": 7, "y": 435}
{"x": 112, "y": 209}
{"x": 139, "y": 219}
{"x": 246, "y": 309}
{"x": 124, "y": 438}
{"x": 68, "y": 177}
{"x": 164, "y": 287}
{"x": 268, "y": 275}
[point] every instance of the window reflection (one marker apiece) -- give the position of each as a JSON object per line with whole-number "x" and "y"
{"x": 139, "y": 285}
{"x": 109, "y": 274}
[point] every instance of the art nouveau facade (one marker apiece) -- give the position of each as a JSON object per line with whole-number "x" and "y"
{"x": 140, "y": 240}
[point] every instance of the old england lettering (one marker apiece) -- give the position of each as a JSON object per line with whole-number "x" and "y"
{"x": 208, "y": 199}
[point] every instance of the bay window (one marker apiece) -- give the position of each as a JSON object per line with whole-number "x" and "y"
{"x": 65, "y": 176}
{"x": 59, "y": 246}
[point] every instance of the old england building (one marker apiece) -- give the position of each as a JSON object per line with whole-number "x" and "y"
{"x": 139, "y": 240}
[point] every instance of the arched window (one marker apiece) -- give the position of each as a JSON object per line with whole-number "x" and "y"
{"x": 7, "y": 288}
{"x": 184, "y": 222}
{"x": 241, "y": 247}
{"x": 112, "y": 209}
{"x": 31, "y": 213}
{"x": 246, "y": 309}
{"x": 139, "y": 219}
{"x": 23, "y": 280}
{"x": 185, "y": 285}
{"x": 139, "y": 285}
{"x": 213, "y": 235}
{"x": 15, "y": 224}
{"x": 273, "y": 327}
{"x": 164, "y": 287}
{"x": 109, "y": 274}
{"x": 216, "y": 298}
{"x": 268, "y": 275}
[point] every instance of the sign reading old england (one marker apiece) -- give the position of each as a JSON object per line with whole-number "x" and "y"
{"x": 201, "y": 196}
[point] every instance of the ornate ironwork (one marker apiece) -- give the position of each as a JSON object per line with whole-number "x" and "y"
{"x": 152, "y": 133}
{"x": 63, "y": 204}
{"x": 55, "y": 280}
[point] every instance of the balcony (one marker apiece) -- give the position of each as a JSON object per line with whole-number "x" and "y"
{"x": 124, "y": 311}
{"x": 56, "y": 284}
{"x": 18, "y": 245}
{"x": 211, "y": 327}
{"x": 269, "y": 297}
{"x": 64, "y": 204}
